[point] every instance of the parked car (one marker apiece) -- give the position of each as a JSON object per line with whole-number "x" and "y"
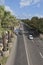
{"x": 30, "y": 37}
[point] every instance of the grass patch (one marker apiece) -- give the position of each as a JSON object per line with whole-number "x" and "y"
{"x": 3, "y": 60}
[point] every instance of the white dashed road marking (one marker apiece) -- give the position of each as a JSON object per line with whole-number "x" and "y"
{"x": 41, "y": 54}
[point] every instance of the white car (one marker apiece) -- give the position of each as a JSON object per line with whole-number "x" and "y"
{"x": 30, "y": 37}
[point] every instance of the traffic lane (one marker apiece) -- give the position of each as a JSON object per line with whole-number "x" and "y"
{"x": 20, "y": 53}
{"x": 33, "y": 53}
{"x": 39, "y": 44}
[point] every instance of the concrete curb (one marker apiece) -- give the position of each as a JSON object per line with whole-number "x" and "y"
{"x": 11, "y": 58}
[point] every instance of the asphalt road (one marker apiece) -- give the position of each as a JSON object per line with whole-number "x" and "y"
{"x": 34, "y": 48}
{"x": 28, "y": 52}
{"x": 20, "y": 58}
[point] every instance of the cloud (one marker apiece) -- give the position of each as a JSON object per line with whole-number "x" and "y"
{"x": 24, "y": 16}
{"x": 35, "y": 1}
{"x": 24, "y": 3}
{"x": 39, "y": 15}
{"x": 29, "y": 16}
{"x": 2, "y": 2}
{"x": 7, "y": 8}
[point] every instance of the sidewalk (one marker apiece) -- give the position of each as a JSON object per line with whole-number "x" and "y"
{"x": 11, "y": 58}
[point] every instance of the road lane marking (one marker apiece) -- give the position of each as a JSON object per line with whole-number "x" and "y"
{"x": 41, "y": 54}
{"x": 26, "y": 51}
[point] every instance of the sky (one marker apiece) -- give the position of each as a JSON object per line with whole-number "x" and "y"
{"x": 24, "y": 8}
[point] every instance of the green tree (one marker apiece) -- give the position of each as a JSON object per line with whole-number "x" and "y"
{"x": 1, "y": 14}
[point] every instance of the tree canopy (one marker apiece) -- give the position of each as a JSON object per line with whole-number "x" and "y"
{"x": 35, "y": 22}
{"x": 7, "y": 20}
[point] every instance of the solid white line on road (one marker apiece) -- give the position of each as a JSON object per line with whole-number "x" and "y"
{"x": 26, "y": 47}
{"x": 26, "y": 50}
{"x": 41, "y": 54}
